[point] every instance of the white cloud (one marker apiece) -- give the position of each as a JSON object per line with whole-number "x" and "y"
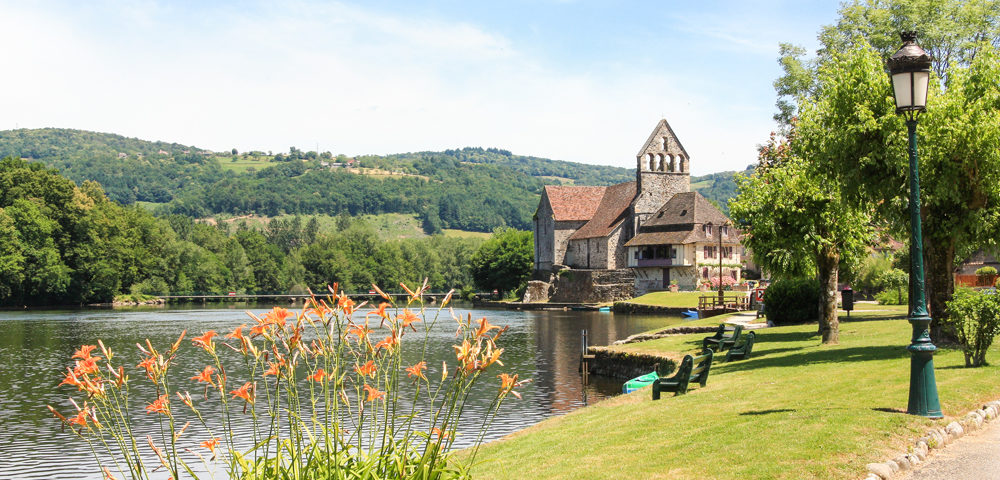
{"x": 350, "y": 79}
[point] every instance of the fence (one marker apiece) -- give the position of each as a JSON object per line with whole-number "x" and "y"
{"x": 975, "y": 280}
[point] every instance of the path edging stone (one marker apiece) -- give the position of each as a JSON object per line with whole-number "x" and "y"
{"x": 935, "y": 438}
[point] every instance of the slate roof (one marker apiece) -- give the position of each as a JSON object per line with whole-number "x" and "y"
{"x": 610, "y": 213}
{"x": 681, "y": 220}
{"x": 572, "y": 203}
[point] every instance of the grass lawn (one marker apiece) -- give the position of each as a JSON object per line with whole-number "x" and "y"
{"x": 449, "y": 232}
{"x": 677, "y": 299}
{"x": 795, "y": 410}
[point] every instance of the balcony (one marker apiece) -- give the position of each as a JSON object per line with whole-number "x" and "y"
{"x": 660, "y": 262}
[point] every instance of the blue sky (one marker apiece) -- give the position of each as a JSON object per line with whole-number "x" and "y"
{"x": 572, "y": 80}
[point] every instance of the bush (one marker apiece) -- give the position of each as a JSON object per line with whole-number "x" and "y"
{"x": 986, "y": 272}
{"x": 974, "y": 318}
{"x": 893, "y": 296}
{"x": 792, "y": 301}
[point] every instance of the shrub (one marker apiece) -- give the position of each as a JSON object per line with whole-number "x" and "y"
{"x": 792, "y": 301}
{"x": 974, "y": 318}
{"x": 986, "y": 271}
{"x": 321, "y": 395}
{"x": 893, "y": 296}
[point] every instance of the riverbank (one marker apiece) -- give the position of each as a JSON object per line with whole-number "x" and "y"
{"x": 796, "y": 409}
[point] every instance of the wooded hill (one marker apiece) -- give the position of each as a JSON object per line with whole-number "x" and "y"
{"x": 472, "y": 189}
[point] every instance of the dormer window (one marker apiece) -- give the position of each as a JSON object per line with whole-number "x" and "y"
{"x": 708, "y": 229}
{"x": 724, "y": 230}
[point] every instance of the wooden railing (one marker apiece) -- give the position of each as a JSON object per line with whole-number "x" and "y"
{"x": 728, "y": 302}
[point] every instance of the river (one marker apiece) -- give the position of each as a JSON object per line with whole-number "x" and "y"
{"x": 36, "y": 346}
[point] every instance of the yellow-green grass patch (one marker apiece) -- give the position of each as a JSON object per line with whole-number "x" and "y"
{"x": 795, "y": 410}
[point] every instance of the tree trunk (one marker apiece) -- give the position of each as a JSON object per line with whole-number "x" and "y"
{"x": 827, "y": 263}
{"x": 939, "y": 257}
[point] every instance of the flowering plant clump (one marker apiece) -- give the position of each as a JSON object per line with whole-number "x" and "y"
{"x": 318, "y": 391}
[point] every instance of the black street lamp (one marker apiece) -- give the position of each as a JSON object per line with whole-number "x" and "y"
{"x": 910, "y": 68}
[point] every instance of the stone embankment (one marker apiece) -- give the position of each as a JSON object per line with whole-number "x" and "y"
{"x": 629, "y": 307}
{"x": 936, "y": 438}
{"x": 613, "y": 363}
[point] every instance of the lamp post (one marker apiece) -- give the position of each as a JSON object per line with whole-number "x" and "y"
{"x": 722, "y": 296}
{"x": 910, "y": 68}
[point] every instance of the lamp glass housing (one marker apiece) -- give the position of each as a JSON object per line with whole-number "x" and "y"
{"x": 910, "y": 90}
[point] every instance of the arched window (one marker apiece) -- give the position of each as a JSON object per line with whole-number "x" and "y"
{"x": 673, "y": 164}
{"x": 652, "y": 162}
{"x": 659, "y": 161}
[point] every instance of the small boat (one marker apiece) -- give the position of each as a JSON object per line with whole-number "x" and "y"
{"x": 690, "y": 314}
{"x": 604, "y": 309}
{"x": 639, "y": 382}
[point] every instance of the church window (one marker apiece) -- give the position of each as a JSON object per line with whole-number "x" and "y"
{"x": 659, "y": 160}
{"x": 652, "y": 162}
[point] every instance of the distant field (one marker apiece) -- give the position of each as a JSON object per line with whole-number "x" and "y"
{"x": 464, "y": 234}
{"x": 560, "y": 180}
{"x": 148, "y": 205}
{"x": 389, "y": 226}
{"x": 242, "y": 163}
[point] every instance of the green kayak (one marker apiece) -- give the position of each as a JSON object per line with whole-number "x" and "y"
{"x": 639, "y": 382}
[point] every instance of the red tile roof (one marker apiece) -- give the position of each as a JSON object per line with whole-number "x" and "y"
{"x": 610, "y": 213}
{"x": 572, "y": 203}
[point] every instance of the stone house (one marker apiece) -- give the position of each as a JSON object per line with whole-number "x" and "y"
{"x": 589, "y": 229}
{"x": 684, "y": 243}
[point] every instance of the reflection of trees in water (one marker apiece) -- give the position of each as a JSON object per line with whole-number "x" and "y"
{"x": 558, "y": 350}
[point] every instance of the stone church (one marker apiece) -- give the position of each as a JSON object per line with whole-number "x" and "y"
{"x": 586, "y": 229}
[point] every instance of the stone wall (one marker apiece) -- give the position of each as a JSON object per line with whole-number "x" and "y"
{"x": 544, "y": 237}
{"x": 627, "y": 365}
{"x": 592, "y": 286}
{"x": 537, "y": 291}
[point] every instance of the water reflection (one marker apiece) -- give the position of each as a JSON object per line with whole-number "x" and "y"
{"x": 35, "y": 348}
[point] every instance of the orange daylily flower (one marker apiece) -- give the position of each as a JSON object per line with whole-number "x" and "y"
{"x": 205, "y": 341}
{"x": 107, "y": 474}
{"x": 149, "y": 363}
{"x": 237, "y": 333}
{"x": 161, "y": 405}
{"x": 389, "y": 343}
{"x": 491, "y": 356}
{"x": 273, "y": 368}
{"x": 318, "y": 376}
{"x": 408, "y": 319}
{"x": 484, "y": 327}
{"x": 464, "y": 351}
{"x": 87, "y": 366}
{"x": 205, "y": 375}
{"x": 258, "y": 329}
{"x": 80, "y": 418}
{"x": 71, "y": 379}
{"x": 380, "y": 311}
{"x": 508, "y": 383}
{"x": 361, "y": 331}
{"x": 437, "y": 431}
{"x": 380, "y": 292}
{"x": 211, "y": 445}
{"x": 84, "y": 352}
{"x": 373, "y": 393}
{"x": 277, "y": 316}
{"x": 417, "y": 370}
{"x": 366, "y": 370}
{"x": 244, "y": 392}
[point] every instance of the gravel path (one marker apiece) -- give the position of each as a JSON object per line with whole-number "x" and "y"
{"x": 976, "y": 456}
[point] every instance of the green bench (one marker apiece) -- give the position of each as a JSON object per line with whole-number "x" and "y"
{"x": 692, "y": 369}
{"x": 743, "y": 350}
{"x": 723, "y": 338}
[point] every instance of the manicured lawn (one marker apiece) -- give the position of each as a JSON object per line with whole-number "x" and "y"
{"x": 676, "y": 299}
{"x": 795, "y": 410}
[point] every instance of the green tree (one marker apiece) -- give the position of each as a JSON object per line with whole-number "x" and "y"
{"x": 796, "y": 223}
{"x": 959, "y": 134}
{"x": 504, "y": 261}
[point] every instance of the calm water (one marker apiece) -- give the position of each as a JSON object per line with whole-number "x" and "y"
{"x": 35, "y": 348}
